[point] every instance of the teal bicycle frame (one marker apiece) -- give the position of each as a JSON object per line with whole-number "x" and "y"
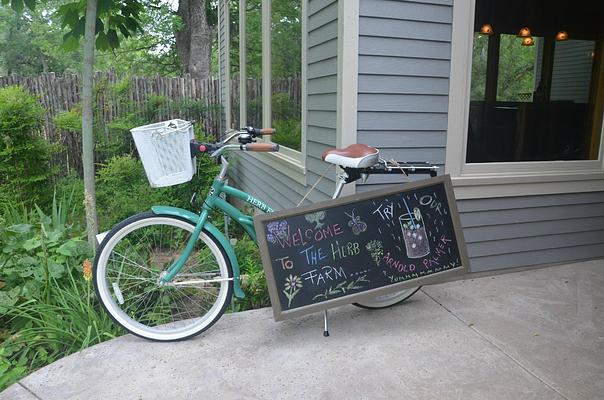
{"x": 211, "y": 202}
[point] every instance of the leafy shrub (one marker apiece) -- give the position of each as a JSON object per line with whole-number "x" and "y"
{"x": 36, "y": 249}
{"x": 24, "y": 155}
{"x": 283, "y": 108}
{"x": 254, "y": 282}
{"x": 123, "y": 189}
{"x": 289, "y": 133}
{"x": 70, "y": 121}
{"x": 44, "y": 331}
{"x": 47, "y": 307}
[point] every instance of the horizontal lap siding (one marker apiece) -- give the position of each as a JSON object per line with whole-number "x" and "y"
{"x": 404, "y": 62}
{"x": 533, "y": 230}
{"x": 273, "y": 185}
{"x": 404, "y": 53}
{"x": 322, "y": 71}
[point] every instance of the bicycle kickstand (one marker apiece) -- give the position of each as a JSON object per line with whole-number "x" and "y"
{"x": 325, "y": 328}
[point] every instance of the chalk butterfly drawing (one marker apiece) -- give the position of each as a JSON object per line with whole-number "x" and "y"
{"x": 276, "y": 230}
{"x": 356, "y": 224}
{"x": 316, "y": 218}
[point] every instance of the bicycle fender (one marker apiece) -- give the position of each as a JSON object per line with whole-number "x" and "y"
{"x": 211, "y": 229}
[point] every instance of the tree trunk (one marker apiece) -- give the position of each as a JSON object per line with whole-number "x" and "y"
{"x": 194, "y": 40}
{"x": 87, "y": 118}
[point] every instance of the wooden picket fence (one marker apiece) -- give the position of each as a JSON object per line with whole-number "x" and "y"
{"x": 58, "y": 94}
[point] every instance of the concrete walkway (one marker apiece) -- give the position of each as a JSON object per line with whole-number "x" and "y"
{"x": 526, "y": 335}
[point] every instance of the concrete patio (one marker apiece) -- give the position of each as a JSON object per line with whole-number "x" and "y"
{"x": 527, "y": 335}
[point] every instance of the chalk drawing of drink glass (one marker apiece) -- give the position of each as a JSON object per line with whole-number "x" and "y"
{"x": 414, "y": 233}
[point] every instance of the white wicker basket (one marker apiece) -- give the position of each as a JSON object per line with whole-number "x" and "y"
{"x": 164, "y": 149}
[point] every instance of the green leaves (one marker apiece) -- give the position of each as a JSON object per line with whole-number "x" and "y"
{"x": 113, "y": 16}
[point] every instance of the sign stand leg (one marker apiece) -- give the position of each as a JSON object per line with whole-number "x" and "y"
{"x": 325, "y": 329}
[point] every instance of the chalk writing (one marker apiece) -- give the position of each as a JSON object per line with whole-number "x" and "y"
{"x": 325, "y": 274}
{"x": 354, "y": 247}
{"x": 347, "y": 250}
{"x": 286, "y": 263}
{"x": 385, "y": 212}
{"x": 313, "y": 256}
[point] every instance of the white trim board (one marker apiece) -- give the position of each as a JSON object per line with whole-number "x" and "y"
{"x": 500, "y": 179}
{"x": 242, "y": 63}
{"x": 348, "y": 77}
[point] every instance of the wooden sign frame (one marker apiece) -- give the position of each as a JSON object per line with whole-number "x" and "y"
{"x": 261, "y": 220}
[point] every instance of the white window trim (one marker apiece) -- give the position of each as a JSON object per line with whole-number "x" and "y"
{"x": 289, "y": 161}
{"x": 348, "y": 78}
{"x": 482, "y": 180}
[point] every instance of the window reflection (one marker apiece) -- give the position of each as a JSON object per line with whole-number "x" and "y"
{"x": 541, "y": 102}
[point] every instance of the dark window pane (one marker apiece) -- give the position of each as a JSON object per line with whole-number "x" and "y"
{"x": 541, "y": 99}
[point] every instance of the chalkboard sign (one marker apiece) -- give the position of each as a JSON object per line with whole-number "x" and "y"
{"x": 361, "y": 246}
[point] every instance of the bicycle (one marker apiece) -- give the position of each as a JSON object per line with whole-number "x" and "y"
{"x": 169, "y": 274}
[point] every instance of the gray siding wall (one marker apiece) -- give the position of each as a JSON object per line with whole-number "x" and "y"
{"x": 404, "y": 62}
{"x": 533, "y": 230}
{"x": 273, "y": 185}
{"x": 404, "y": 54}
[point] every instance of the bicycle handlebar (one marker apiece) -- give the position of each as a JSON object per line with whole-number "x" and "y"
{"x": 255, "y": 132}
{"x": 261, "y": 147}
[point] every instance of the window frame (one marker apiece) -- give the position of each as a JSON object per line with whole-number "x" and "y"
{"x": 290, "y": 161}
{"x": 501, "y": 179}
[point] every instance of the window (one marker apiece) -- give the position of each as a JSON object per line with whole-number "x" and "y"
{"x": 268, "y": 37}
{"x": 527, "y": 95}
{"x": 533, "y": 97}
{"x": 286, "y": 68}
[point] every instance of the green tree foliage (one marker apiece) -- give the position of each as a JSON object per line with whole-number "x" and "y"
{"x": 286, "y": 31}
{"x": 115, "y": 19}
{"x": 152, "y": 50}
{"x": 516, "y": 70}
{"x": 24, "y": 155}
{"x": 286, "y": 44}
{"x": 30, "y": 42}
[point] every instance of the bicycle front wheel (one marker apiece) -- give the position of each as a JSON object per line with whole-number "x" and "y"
{"x": 127, "y": 271}
{"x": 387, "y": 300}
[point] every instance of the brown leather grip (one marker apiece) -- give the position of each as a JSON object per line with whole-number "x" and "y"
{"x": 267, "y": 131}
{"x": 262, "y": 147}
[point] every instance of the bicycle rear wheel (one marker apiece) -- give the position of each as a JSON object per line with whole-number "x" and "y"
{"x": 127, "y": 271}
{"x": 388, "y": 300}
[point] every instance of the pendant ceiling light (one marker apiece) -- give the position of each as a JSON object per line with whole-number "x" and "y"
{"x": 528, "y": 41}
{"x": 561, "y": 36}
{"x": 524, "y": 32}
{"x": 486, "y": 29}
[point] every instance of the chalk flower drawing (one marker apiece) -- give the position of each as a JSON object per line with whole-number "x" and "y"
{"x": 276, "y": 230}
{"x": 316, "y": 218}
{"x": 376, "y": 250}
{"x": 293, "y": 284}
